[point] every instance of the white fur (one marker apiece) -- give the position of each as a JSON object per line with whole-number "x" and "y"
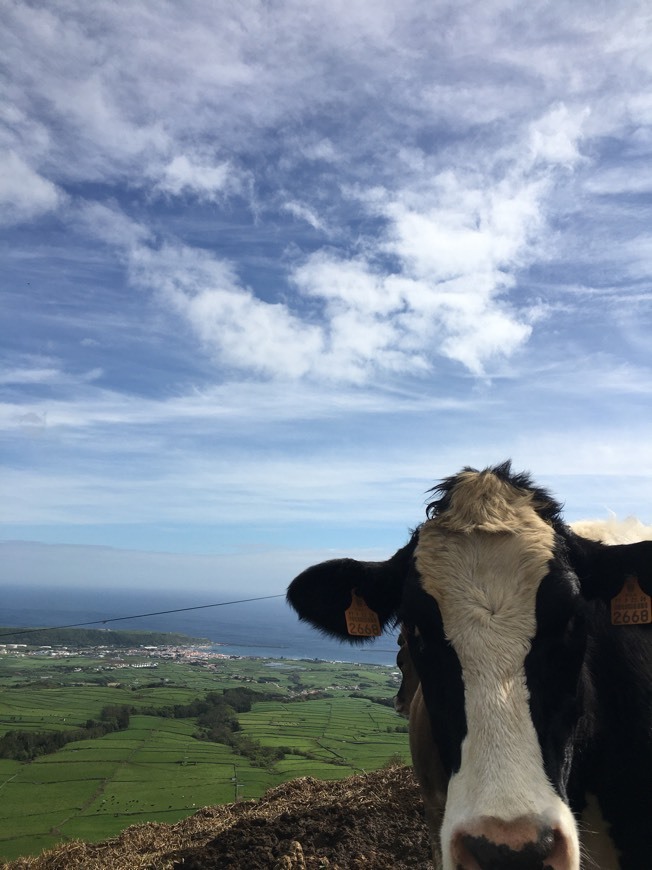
{"x": 613, "y": 531}
{"x": 485, "y": 578}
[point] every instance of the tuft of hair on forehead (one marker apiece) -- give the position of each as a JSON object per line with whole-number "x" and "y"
{"x": 493, "y": 499}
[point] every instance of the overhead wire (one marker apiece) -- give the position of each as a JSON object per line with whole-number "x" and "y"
{"x": 137, "y": 616}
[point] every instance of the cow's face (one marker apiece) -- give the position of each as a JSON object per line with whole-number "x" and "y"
{"x": 492, "y": 591}
{"x": 487, "y": 567}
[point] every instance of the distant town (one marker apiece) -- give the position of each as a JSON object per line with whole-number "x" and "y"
{"x": 172, "y": 652}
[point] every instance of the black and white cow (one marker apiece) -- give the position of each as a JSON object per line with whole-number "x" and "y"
{"x": 531, "y": 725}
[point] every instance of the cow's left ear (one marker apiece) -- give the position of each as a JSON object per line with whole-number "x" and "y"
{"x": 322, "y": 594}
{"x": 603, "y": 568}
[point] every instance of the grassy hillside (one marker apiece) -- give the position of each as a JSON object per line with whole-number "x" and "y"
{"x": 159, "y": 769}
{"x": 371, "y": 821}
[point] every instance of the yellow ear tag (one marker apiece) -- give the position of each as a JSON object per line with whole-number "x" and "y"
{"x": 631, "y": 606}
{"x": 361, "y": 620}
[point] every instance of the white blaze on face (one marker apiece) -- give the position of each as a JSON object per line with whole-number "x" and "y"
{"x": 483, "y": 560}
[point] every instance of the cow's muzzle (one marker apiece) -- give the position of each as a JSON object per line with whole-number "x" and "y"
{"x": 521, "y": 844}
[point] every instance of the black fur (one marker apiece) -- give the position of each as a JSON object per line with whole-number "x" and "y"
{"x": 440, "y": 673}
{"x": 602, "y": 569}
{"x": 590, "y": 683}
{"x": 556, "y": 674}
{"x": 321, "y": 594}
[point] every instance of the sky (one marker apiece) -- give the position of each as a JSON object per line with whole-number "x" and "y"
{"x": 270, "y": 270}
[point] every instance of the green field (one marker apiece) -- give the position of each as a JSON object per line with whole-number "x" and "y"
{"x": 157, "y": 769}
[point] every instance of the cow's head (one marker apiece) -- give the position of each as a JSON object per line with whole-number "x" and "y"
{"x": 492, "y": 590}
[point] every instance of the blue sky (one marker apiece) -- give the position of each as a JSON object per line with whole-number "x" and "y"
{"x": 272, "y": 269}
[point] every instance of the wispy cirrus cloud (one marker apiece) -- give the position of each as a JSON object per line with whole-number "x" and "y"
{"x": 24, "y": 193}
{"x": 198, "y": 176}
{"x": 456, "y": 243}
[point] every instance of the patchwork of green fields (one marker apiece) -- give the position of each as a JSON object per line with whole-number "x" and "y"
{"x": 157, "y": 770}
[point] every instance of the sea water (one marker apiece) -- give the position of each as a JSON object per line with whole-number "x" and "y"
{"x": 268, "y": 629}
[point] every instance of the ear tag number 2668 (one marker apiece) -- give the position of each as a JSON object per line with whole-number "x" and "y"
{"x": 631, "y": 606}
{"x": 361, "y": 620}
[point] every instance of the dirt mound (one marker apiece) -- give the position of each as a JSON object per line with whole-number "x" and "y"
{"x": 373, "y": 822}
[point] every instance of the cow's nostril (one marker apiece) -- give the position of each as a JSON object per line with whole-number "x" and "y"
{"x": 478, "y": 852}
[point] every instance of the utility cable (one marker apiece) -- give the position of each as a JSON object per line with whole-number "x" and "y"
{"x": 137, "y": 616}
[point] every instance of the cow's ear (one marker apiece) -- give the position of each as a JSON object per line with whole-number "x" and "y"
{"x": 322, "y": 594}
{"x": 603, "y": 568}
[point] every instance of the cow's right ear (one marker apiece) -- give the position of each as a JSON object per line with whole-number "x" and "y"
{"x": 603, "y": 568}
{"x": 322, "y": 594}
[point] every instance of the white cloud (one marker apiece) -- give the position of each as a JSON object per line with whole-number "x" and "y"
{"x": 241, "y": 330}
{"x": 487, "y": 334}
{"x": 458, "y": 241}
{"x": 24, "y": 194}
{"x": 319, "y": 149}
{"x": 348, "y": 284}
{"x": 304, "y": 213}
{"x": 81, "y": 412}
{"x": 350, "y": 341}
{"x": 44, "y": 373}
{"x": 619, "y": 180}
{"x": 355, "y": 484}
{"x": 108, "y": 223}
{"x": 116, "y": 99}
{"x": 28, "y": 376}
{"x": 554, "y": 138}
{"x": 197, "y": 176}
{"x": 220, "y": 490}
{"x": 460, "y": 219}
{"x": 262, "y": 572}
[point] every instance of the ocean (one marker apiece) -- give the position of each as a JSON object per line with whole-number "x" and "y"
{"x": 268, "y": 629}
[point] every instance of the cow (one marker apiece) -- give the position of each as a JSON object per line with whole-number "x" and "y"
{"x": 409, "y": 677}
{"x": 531, "y": 720}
